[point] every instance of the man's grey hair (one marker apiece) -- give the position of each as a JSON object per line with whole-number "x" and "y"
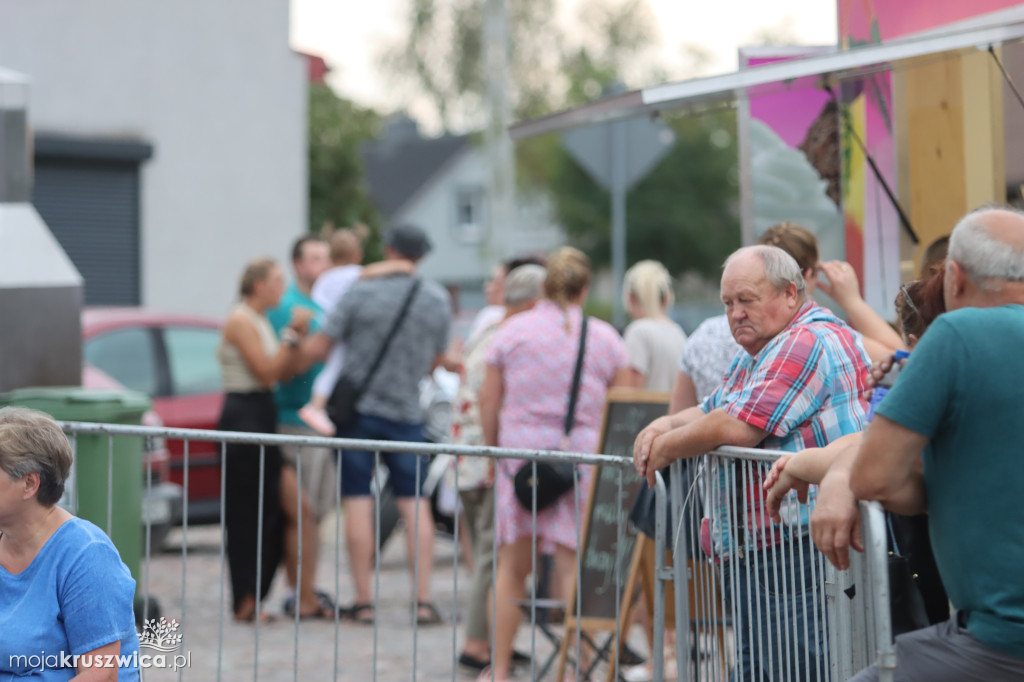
{"x": 780, "y": 268}
{"x": 524, "y": 284}
{"x": 987, "y": 260}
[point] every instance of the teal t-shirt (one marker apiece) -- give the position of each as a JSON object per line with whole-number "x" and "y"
{"x": 293, "y": 394}
{"x": 963, "y": 388}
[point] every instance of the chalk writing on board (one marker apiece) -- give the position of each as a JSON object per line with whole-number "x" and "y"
{"x": 610, "y": 537}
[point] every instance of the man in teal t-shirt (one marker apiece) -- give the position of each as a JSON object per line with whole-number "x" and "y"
{"x": 957, "y": 409}
{"x": 310, "y": 258}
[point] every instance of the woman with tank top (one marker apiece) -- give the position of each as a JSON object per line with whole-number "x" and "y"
{"x": 252, "y": 362}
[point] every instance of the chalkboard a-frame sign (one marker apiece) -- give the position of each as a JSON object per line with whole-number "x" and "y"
{"x": 608, "y": 548}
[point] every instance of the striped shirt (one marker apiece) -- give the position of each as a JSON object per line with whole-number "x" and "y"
{"x": 805, "y": 389}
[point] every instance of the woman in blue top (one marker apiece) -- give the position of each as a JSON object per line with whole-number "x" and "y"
{"x": 64, "y": 591}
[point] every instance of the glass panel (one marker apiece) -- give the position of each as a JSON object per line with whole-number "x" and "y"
{"x": 192, "y": 354}
{"x": 127, "y": 355}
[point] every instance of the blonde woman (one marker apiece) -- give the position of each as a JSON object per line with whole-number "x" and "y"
{"x": 654, "y": 342}
{"x": 523, "y": 404}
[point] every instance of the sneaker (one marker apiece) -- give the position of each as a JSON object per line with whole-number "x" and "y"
{"x": 317, "y": 420}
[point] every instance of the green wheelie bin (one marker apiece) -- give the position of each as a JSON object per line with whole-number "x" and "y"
{"x": 89, "y": 491}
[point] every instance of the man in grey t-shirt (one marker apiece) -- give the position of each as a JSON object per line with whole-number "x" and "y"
{"x": 389, "y": 409}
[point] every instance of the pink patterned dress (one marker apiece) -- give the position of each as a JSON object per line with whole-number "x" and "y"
{"x": 537, "y": 356}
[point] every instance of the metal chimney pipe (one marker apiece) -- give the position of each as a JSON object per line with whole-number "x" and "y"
{"x": 15, "y": 169}
{"x": 40, "y": 288}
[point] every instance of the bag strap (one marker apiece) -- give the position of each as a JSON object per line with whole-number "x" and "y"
{"x": 570, "y": 416}
{"x": 387, "y": 340}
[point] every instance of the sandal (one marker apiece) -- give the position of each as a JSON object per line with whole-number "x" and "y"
{"x": 362, "y": 613}
{"x": 325, "y": 609}
{"x": 324, "y": 602}
{"x": 432, "y": 616}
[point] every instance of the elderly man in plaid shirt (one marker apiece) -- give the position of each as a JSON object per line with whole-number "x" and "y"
{"x": 797, "y": 385}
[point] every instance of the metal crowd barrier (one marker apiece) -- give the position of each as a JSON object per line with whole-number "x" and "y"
{"x": 764, "y": 604}
{"x": 193, "y": 591}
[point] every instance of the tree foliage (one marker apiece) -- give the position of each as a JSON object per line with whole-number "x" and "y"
{"x": 338, "y": 194}
{"x": 682, "y": 214}
{"x": 441, "y": 58}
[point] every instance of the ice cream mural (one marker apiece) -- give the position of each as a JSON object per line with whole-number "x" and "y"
{"x": 788, "y": 188}
{"x": 791, "y": 136}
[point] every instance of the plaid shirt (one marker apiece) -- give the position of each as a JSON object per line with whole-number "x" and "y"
{"x": 804, "y": 388}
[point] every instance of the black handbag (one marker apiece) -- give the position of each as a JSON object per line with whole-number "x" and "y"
{"x": 341, "y": 406}
{"x": 906, "y": 604}
{"x": 552, "y": 480}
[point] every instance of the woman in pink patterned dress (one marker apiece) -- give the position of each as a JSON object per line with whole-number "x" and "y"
{"x": 523, "y": 404}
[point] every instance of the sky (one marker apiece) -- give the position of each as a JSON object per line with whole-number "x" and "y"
{"x": 350, "y": 34}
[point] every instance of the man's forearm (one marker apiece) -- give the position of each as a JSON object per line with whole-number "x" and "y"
{"x": 702, "y": 435}
{"x": 908, "y": 499}
{"x": 686, "y": 417}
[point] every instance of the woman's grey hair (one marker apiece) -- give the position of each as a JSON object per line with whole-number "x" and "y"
{"x": 780, "y": 268}
{"x": 985, "y": 259}
{"x": 31, "y": 442}
{"x": 524, "y": 284}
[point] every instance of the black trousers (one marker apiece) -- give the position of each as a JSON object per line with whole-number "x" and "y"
{"x": 255, "y": 413}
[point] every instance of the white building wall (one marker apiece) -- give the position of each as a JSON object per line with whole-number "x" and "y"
{"x": 434, "y": 210}
{"x": 215, "y": 88}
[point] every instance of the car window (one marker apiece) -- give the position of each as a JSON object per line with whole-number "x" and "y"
{"x": 128, "y": 355}
{"x": 192, "y": 354}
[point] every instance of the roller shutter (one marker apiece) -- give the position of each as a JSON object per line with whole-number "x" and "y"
{"x": 88, "y": 195}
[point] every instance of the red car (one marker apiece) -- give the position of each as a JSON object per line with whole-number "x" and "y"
{"x": 172, "y": 358}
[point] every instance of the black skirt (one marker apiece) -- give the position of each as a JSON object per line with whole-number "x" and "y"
{"x": 254, "y": 413}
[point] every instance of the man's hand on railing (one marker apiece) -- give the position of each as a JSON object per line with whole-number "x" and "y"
{"x": 778, "y": 483}
{"x": 645, "y": 441}
{"x": 835, "y": 522}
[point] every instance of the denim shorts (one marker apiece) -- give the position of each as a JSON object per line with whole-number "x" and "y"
{"x": 357, "y": 465}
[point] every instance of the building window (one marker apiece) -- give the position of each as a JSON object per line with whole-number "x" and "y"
{"x": 469, "y": 215}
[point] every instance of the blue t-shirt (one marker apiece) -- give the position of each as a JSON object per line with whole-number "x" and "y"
{"x": 963, "y": 388}
{"x": 293, "y": 394}
{"x": 74, "y": 597}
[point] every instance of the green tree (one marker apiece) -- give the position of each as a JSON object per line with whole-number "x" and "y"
{"x": 338, "y": 194}
{"x": 682, "y": 214}
{"x": 441, "y": 57}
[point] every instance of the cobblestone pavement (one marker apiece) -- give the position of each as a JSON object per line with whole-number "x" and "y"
{"x": 220, "y": 649}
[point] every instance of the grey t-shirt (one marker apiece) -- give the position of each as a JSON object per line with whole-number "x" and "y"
{"x": 361, "y": 321}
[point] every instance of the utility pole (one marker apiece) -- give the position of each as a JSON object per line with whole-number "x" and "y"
{"x": 500, "y": 210}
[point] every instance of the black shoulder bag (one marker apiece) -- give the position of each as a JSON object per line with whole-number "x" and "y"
{"x": 553, "y": 479}
{"x": 341, "y": 406}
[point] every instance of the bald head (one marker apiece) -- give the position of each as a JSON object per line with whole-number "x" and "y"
{"x": 762, "y": 290}
{"x": 985, "y": 266}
